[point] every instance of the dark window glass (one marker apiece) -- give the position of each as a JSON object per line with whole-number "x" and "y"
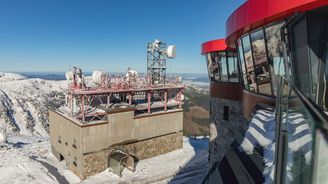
{"x": 223, "y": 66}
{"x": 275, "y": 54}
{"x": 249, "y": 63}
{"x": 232, "y": 67}
{"x": 325, "y": 61}
{"x": 75, "y": 162}
{"x": 261, "y": 63}
{"x": 210, "y": 66}
{"x": 226, "y": 113}
{"x": 242, "y": 64}
{"x": 74, "y": 144}
{"x": 213, "y": 66}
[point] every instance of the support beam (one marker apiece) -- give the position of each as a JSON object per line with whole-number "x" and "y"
{"x": 180, "y": 99}
{"x": 82, "y": 108}
{"x": 148, "y": 101}
{"x": 165, "y": 100}
{"x": 130, "y": 98}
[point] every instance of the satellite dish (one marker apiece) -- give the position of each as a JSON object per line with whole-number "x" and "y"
{"x": 171, "y": 51}
{"x": 69, "y": 75}
{"x": 98, "y": 76}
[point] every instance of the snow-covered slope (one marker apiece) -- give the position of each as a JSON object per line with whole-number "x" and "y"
{"x": 28, "y": 159}
{"x": 10, "y": 77}
{"x": 24, "y": 103}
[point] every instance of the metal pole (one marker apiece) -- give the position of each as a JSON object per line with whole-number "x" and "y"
{"x": 130, "y": 98}
{"x": 180, "y": 100}
{"x": 165, "y": 100}
{"x": 148, "y": 101}
{"x": 82, "y": 108}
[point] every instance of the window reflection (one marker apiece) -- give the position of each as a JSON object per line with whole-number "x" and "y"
{"x": 275, "y": 55}
{"x": 212, "y": 67}
{"x": 261, "y": 63}
{"x": 261, "y": 59}
{"x": 232, "y": 67}
{"x": 242, "y": 64}
{"x": 249, "y": 63}
{"x": 223, "y": 66}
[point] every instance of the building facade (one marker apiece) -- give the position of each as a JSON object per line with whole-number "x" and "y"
{"x": 87, "y": 148}
{"x": 282, "y": 56}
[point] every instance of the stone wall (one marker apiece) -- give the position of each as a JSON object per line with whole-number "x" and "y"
{"x": 97, "y": 162}
{"x": 222, "y": 132}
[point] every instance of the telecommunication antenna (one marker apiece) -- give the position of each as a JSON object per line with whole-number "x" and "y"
{"x": 157, "y": 53}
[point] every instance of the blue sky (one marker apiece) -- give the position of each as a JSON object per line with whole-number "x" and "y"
{"x": 47, "y": 35}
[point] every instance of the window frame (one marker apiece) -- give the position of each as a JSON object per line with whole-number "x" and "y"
{"x": 267, "y": 60}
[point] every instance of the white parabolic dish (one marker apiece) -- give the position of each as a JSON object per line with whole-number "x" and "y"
{"x": 69, "y": 75}
{"x": 171, "y": 51}
{"x": 98, "y": 76}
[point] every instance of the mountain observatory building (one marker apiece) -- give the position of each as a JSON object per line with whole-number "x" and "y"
{"x": 111, "y": 121}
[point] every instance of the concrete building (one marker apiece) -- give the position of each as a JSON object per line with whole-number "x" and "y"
{"x": 87, "y": 147}
{"x": 119, "y": 120}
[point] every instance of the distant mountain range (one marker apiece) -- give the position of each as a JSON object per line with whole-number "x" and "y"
{"x": 190, "y": 77}
{"x": 26, "y": 97}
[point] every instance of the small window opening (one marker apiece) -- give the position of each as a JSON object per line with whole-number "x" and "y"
{"x": 226, "y": 113}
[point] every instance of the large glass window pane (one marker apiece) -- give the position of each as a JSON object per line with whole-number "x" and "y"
{"x": 223, "y": 66}
{"x": 249, "y": 63}
{"x": 325, "y": 92}
{"x": 216, "y": 58}
{"x": 242, "y": 64}
{"x": 212, "y": 66}
{"x": 209, "y": 66}
{"x": 232, "y": 67}
{"x": 261, "y": 63}
{"x": 275, "y": 54}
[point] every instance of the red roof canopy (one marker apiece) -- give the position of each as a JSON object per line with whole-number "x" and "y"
{"x": 255, "y": 13}
{"x": 215, "y": 45}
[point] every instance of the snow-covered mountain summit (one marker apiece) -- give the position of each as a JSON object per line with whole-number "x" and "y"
{"x": 24, "y": 103}
{"x": 10, "y": 77}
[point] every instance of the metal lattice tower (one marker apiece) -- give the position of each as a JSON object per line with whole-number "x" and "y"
{"x": 156, "y": 62}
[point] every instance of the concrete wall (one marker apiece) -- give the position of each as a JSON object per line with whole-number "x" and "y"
{"x": 142, "y": 136}
{"x": 68, "y": 132}
{"x": 123, "y": 128}
{"x": 96, "y": 162}
{"x": 222, "y": 132}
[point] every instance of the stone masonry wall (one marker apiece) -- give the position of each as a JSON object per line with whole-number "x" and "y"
{"x": 97, "y": 162}
{"x": 222, "y": 132}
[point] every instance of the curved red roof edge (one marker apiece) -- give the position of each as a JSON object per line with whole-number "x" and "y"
{"x": 256, "y": 13}
{"x": 215, "y": 45}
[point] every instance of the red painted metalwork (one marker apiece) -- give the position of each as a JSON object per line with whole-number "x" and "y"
{"x": 256, "y": 13}
{"x": 214, "y": 45}
{"x": 90, "y": 98}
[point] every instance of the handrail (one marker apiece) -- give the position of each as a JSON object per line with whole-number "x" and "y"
{"x": 318, "y": 113}
{"x": 318, "y": 119}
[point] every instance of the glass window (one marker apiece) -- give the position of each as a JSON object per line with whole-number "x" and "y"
{"x": 232, "y": 67}
{"x": 249, "y": 63}
{"x": 242, "y": 64}
{"x": 275, "y": 54}
{"x": 261, "y": 63}
{"x": 212, "y": 66}
{"x": 223, "y": 66}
